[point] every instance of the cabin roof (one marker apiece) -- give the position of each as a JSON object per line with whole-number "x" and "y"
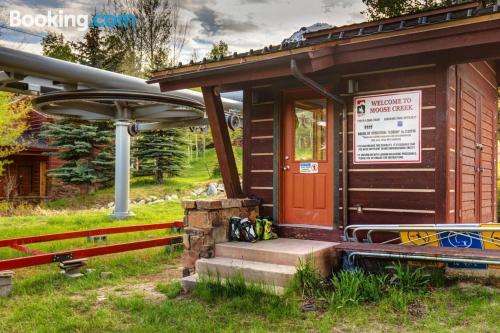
{"x": 430, "y": 20}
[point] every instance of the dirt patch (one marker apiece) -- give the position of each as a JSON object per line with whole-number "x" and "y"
{"x": 143, "y": 285}
{"x": 147, "y": 286}
{"x": 417, "y": 310}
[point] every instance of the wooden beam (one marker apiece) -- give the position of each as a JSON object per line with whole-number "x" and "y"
{"x": 441, "y": 137}
{"x": 222, "y": 142}
{"x": 497, "y": 67}
{"x": 247, "y": 142}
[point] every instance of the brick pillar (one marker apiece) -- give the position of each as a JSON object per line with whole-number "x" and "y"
{"x": 207, "y": 223}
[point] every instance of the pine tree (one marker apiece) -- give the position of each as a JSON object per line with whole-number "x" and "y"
{"x": 160, "y": 152}
{"x": 99, "y": 51}
{"x": 85, "y": 149}
{"x": 54, "y": 46}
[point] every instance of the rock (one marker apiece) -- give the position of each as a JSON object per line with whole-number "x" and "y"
{"x": 220, "y": 187}
{"x": 142, "y": 202}
{"x": 199, "y": 191}
{"x": 106, "y": 275}
{"x": 188, "y": 204}
{"x": 153, "y": 198}
{"x": 174, "y": 197}
{"x": 111, "y": 205}
{"x": 212, "y": 189}
{"x": 168, "y": 198}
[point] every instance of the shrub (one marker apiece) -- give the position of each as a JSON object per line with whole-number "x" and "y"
{"x": 216, "y": 171}
{"x": 356, "y": 287}
{"x": 307, "y": 280}
{"x": 409, "y": 279}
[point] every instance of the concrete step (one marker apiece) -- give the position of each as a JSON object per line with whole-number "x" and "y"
{"x": 282, "y": 251}
{"x": 251, "y": 271}
{"x": 188, "y": 284}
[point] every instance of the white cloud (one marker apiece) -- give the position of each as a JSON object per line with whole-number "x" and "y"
{"x": 243, "y": 24}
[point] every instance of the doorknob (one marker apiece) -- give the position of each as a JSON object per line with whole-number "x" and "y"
{"x": 286, "y": 168}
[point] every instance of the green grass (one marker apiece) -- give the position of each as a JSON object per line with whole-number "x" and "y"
{"x": 454, "y": 309}
{"x": 45, "y": 301}
{"x": 195, "y": 175}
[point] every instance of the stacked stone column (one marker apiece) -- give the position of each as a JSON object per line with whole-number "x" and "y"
{"x": 207, "y": 223}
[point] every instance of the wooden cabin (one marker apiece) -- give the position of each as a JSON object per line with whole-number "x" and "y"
{"x": 390, "y": 122}
{"x": 27, "y": 173}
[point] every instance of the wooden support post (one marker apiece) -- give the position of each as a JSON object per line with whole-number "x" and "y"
{"x": 222, "y": 142}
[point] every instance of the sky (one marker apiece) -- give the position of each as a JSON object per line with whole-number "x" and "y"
{"x": 242, "y": 24}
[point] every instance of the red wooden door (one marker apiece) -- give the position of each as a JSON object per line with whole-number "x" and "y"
{"x": 307, "y": 162}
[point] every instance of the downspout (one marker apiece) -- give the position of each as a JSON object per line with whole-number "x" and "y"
{"x": 345, "y": 155}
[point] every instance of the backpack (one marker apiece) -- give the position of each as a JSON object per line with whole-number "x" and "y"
{"x": 247, "y": 231}
{"x": 234, "y": 226}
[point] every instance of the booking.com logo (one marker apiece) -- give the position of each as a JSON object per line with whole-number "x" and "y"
{"x": 80, "y": 22}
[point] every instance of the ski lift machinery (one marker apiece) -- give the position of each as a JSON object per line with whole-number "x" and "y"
{"x": 66, "y": 89}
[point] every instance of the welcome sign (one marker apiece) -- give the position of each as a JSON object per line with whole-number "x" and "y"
{"x": 387, "y": 128}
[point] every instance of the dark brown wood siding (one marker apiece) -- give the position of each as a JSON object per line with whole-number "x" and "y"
{"x": 258, "y": 129}
{"x": 399, "y": 193}
{"x": 26, "y": 172}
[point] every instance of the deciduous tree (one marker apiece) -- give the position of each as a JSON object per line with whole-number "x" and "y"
{"x": 379, "y": 9}
{"x": 13, "y": 115}
{"x": 219, "y": 49}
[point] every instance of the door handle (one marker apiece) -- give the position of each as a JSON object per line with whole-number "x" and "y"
{"x": 286, "y": 168}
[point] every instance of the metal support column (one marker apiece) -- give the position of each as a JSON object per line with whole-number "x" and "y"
{"x": 122, "y": 170}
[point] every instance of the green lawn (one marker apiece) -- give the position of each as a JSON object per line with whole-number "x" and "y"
{"x": 125, "y": 303}
{"x": 142, "y": 294}
{"x": 196, "y": 174}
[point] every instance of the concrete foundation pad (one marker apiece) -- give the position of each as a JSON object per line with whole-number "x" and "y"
{"x": 282, "y": 251}
{"x": 189, "y": 283}
{"x": 251, "y": 271}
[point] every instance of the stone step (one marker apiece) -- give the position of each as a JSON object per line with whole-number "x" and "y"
{"x": 251, "y": 271}
{"x": 188, "y": 284}
{"x": 282, "y": 251}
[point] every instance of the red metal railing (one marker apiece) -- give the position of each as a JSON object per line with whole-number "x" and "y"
{"x": 40, "y": 258}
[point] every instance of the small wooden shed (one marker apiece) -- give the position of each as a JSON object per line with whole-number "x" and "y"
{"x": 391, "y": 121}
{"x": 25, "y": 178}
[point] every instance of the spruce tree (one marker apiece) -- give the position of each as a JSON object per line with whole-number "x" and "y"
{"x": 85, "y": 149}
{"x": 159, "y": 153}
